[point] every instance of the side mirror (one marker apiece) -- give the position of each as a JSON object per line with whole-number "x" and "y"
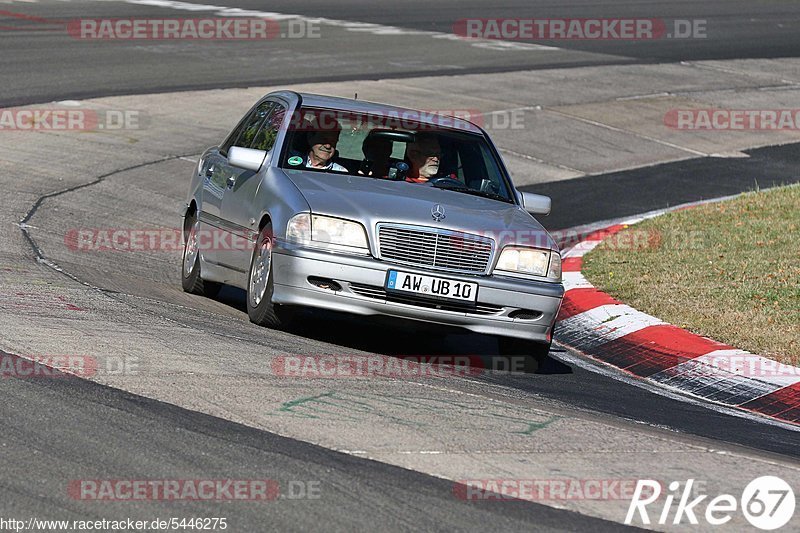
{"x": 536, "y": 204}
{"x": 246, "y": 158}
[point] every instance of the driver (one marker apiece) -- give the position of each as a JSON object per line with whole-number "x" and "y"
{"x": 322, "y": 142}
{"x": 423, "y": 155}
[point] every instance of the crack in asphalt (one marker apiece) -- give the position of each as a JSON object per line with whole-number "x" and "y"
{"x": 41, "y": 258}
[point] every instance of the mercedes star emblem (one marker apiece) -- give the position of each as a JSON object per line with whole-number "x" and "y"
{"x": 437, "y": 212}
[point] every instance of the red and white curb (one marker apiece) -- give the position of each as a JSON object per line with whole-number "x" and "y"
{"x": 605, "y": 329}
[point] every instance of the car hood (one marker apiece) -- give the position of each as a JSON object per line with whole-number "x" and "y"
{"x": 370, "y": 201}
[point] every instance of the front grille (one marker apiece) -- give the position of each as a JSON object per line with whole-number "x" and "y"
{"x": 369, "y": 291}
{"x": 378, "y": 293}
{"x": 437, "y": 249}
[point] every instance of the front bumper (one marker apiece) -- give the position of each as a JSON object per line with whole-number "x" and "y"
{"x": 506, "y": 306}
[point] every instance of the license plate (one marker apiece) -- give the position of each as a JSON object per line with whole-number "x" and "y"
{"x": 431, "y": 286}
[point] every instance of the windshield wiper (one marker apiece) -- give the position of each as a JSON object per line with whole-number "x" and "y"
{"x": 474, "y": 192}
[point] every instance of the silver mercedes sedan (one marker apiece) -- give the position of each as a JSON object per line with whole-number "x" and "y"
{"x": 332, "y": 203}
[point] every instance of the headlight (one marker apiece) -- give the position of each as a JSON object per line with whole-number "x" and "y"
{"x": 531, "y": 261}
{"x": 338, "y": 231}
{"x": 328, "y": 232}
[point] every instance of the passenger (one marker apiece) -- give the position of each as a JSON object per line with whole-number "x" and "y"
{"x": 377, "y": 152}
{"x": 322, "y": 142}
{"x": 423, "y": 155}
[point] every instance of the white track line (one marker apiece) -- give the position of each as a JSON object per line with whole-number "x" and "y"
{"x": 360, "y": 27}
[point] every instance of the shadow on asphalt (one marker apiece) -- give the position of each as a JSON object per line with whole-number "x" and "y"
{"x": 405, "y": 339}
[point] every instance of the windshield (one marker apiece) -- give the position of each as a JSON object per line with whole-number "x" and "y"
{"x": 394, "y": 148}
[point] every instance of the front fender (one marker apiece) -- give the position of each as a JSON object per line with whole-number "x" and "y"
{"x": 279, "y": 199}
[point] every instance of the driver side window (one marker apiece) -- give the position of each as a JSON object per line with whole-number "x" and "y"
{"x": 265, "y": 139}
{"x": 246, "y": 132}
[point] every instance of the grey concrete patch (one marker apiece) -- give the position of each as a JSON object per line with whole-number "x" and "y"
{"x": 556, "y": 87}
{"x": 528, "y": 170}
{"x": 649, "y": 118}
{"x": 590, "y": 148}
{"x": 776, "y": 71}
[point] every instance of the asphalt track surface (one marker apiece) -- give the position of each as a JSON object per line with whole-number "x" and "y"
{"x": 53, "y": 427}
{"x": 41, "y": 62}
{"x": 59, "y": 439}
{"x": 594, "y": 198}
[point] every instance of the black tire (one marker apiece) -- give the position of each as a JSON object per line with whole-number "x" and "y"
{"x": 191, "y": 280}
{"x": 260, "y": 308}
{"x": 534, "y": 352}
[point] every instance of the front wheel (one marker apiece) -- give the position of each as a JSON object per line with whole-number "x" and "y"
{"x": 260, "y": 287}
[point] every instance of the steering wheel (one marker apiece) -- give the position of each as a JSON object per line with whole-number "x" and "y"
{"x": 446, "y": 180}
